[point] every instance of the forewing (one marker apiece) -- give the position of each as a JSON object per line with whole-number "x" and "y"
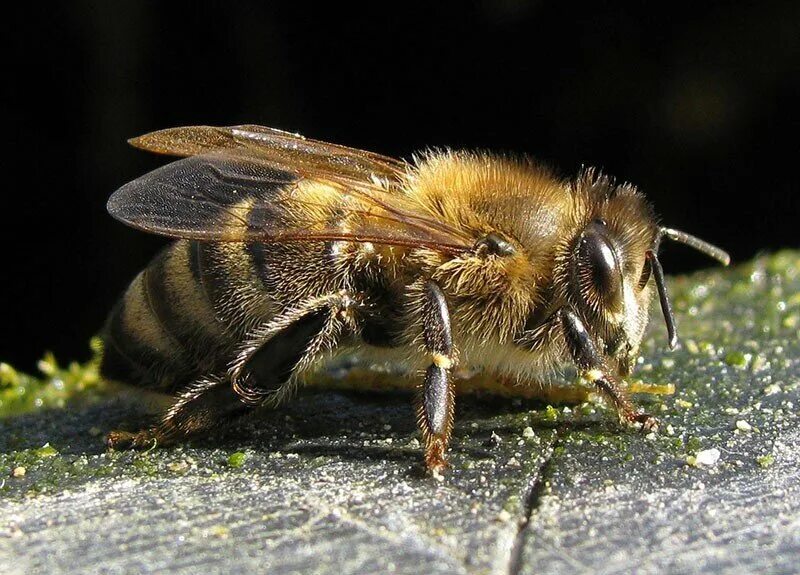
{"x": 202, "y": 197}
{"x": 236, "y": 194}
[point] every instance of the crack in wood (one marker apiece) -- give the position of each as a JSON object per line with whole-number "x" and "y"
{"x": 532, "y": 499}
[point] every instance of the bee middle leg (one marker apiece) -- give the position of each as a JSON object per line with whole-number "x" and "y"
{"x": 589, "y": 360}
{"x": 264, "y": 373}
{"x": 436, "y": 401}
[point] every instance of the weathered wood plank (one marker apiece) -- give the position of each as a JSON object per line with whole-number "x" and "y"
{"x": 333, "y": 484}
{"x": 617, "y": 504}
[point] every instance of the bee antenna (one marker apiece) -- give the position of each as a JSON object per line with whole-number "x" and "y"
{"x": 658, "y": 272}
{"x": 694, "y": 242}
{"x": 663, "y": 296}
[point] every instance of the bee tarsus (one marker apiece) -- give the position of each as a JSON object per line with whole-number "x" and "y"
{"x": 144, "y": 439}
{"x": 589, "y": 360}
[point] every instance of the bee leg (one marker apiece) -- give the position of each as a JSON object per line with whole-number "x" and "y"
{"x": 436, "y": 400}
{"x": 266, "y": 368}
{"x": 589, "y": 360}
{"x": 201, "y": 405}
{"x": 262, "y": 374}
{"x": 121, "y": 440}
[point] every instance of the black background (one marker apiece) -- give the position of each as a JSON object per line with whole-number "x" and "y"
{"x": 696, "y": 104}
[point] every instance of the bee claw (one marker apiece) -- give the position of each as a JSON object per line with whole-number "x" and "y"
{"x": 124, "y": 440}
{"x": 648, "y": 422}
{"x": 436, "y": 470}
{"x": 435, "y": 461}
{"x": 119, "y": 440}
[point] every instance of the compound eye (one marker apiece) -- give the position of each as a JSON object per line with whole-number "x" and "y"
{"x": 599, "y": 269}
{"x": 494, "y": 244}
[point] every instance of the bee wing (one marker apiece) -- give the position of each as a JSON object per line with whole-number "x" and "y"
{"x": 240, "y": 193}
{"x": 283, "y": 148}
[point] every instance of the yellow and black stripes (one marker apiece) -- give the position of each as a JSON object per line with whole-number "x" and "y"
{"x": 264, "y": 373}
{"x": 237, "y": 293}
{"x": 194, "y": 305}
{"x": 180, "y": 304}
{"x": 137, "y": 345}
{"x": 175, "y": 321}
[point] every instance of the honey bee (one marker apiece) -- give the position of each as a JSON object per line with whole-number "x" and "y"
{"x": 292, "y": 251}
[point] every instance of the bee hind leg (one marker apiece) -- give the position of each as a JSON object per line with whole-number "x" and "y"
{"x": 201, "y": 406}
{"x": 263, "y": 373}
{"x": 436, "y": 400}
{"x": 589, "y": 360}
{"x": 121, "y": 440}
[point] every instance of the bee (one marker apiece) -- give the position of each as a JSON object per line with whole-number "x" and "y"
{"x": 291, "y": 252}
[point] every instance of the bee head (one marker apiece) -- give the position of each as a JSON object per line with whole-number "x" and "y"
{"x": 611, "y": 262}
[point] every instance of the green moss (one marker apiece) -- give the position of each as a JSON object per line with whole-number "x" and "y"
{"x": 550, "y": 414}
{"x": 48, "y": 471}
{"x": 765, "y": 460}
{"x": 145, "y": 465}
{"x": 46, "y": 450}
{"x": 693, "y": 444}
{"x": 237, "y": 459}
{"x": 736, "y": 359}
{"x": 22, "y": 393}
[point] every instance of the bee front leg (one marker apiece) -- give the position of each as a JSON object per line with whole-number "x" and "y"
{"x": 436, "y": 401}
{"x": 590, "y": 362}
{"x": 263, "y": 373}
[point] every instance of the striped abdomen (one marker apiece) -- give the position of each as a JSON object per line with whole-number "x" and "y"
{"x": 182, "y": 316}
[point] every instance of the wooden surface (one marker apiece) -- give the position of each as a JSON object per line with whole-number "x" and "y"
{"x": 333, "y": 483}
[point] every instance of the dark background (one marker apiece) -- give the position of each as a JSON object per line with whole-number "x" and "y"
{"x": 696, "y": 104}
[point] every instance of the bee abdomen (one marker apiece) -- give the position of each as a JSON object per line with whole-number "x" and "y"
{"x": 164, "y": 331}
{"x": 138, "y": 349}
